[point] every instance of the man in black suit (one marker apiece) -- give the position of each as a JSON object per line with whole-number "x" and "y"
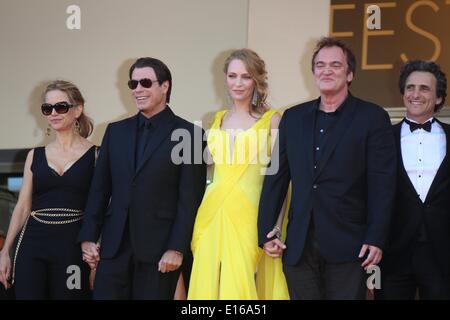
{"x": 418, "y": 251}
{"x": 145, "y": 193}
{"x": 339, "y": 153}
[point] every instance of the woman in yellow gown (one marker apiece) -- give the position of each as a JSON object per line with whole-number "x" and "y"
{"x": 228, "y": 264}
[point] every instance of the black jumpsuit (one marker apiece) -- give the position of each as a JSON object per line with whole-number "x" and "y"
{"x": 47, "y": 262}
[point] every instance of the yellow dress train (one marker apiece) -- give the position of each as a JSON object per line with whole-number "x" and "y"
{"x": 228, "y": 264}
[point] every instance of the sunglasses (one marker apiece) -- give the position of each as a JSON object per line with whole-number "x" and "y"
{"x": 60, "y": 108}
{"x": 145, "y": 82}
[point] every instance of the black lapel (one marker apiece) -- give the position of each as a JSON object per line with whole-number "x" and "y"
{"x": 160, "y": 134}
{"x": 343, "y": 123}
{"x": 307, "y": 130}
{"x": 444, "y": 167}
{"x": 131, "y": 127}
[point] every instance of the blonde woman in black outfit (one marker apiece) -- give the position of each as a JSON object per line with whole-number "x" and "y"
{"x": 46, "y": 262}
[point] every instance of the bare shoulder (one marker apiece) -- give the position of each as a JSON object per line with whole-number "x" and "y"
{"x": 29, "y": 160}
{"x": 30, "y": 155}
{"x": 275, "y": 120}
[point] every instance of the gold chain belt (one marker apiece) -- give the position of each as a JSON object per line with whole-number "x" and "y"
{"x": 74, "y": 214}
{"x": 67, "y": 213}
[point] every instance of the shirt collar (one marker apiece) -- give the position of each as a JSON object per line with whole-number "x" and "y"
{"x": 154, "y": 120}
{"x": 410, "y": 120}
{"x": 338, "y": 111}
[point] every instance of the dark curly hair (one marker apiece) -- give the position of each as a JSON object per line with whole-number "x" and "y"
{"x": 425, "y": 66}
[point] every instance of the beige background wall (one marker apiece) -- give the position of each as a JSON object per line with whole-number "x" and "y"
{"x": 193, "y": 37}
{"x": 284, "y": 33}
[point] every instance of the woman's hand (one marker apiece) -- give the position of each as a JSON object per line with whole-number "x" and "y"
{"x": 5, "y": 269}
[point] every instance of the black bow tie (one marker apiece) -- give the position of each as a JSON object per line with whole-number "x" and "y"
{"x": 414, "y": 126}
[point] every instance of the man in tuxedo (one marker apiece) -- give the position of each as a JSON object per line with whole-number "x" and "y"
{"x": 339, "y": 153}
{"x": 143, "y": 199}
{"x": 418, "y": 251}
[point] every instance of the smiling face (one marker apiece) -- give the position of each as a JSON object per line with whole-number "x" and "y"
{"x": 151, "y": 100}
{"x": 239, "y": 82}
{"x": 331, "y": 71}
{"x": 420, "y": 97}
{"x": 65, "y": 121}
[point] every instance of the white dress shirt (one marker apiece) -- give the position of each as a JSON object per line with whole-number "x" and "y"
{"x": 422, "y": 154}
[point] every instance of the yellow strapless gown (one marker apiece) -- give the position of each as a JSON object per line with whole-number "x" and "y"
{"x": 228, "y": 264}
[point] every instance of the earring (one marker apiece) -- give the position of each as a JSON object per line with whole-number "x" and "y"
{"x": 48, "y": 131}
{"x": 77, "y": 126}
{"x": 255, "y": 97}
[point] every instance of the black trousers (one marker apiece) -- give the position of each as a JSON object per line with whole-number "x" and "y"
{"x": 49, "y": 264}
{"x": 316, "y": 279}
{"x": 6, "y": 294}
{"x": 124, "y": 277}
{"x": 420, "y": 274}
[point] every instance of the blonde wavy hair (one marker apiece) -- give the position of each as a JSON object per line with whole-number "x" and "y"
{"x": 256, "y": 67}
{"x": 76, "y": 98}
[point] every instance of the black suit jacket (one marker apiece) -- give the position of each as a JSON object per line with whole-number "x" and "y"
{"x": 410, "y": 213}
{"x": 160, "y": 198}
{"x": 351, "y": 192}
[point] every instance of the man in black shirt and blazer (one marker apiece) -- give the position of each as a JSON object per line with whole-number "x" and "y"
{"x": 339, "y": 153}
{"x": 417, "y": 258}
{"x": 145, "y": 193}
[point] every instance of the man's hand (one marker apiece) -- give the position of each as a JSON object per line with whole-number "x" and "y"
{"x": 274, "y": 248}
{"x": 374, "y": 255}
{"x": 170, "y": 261}
{"x": 90, "y": 253}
